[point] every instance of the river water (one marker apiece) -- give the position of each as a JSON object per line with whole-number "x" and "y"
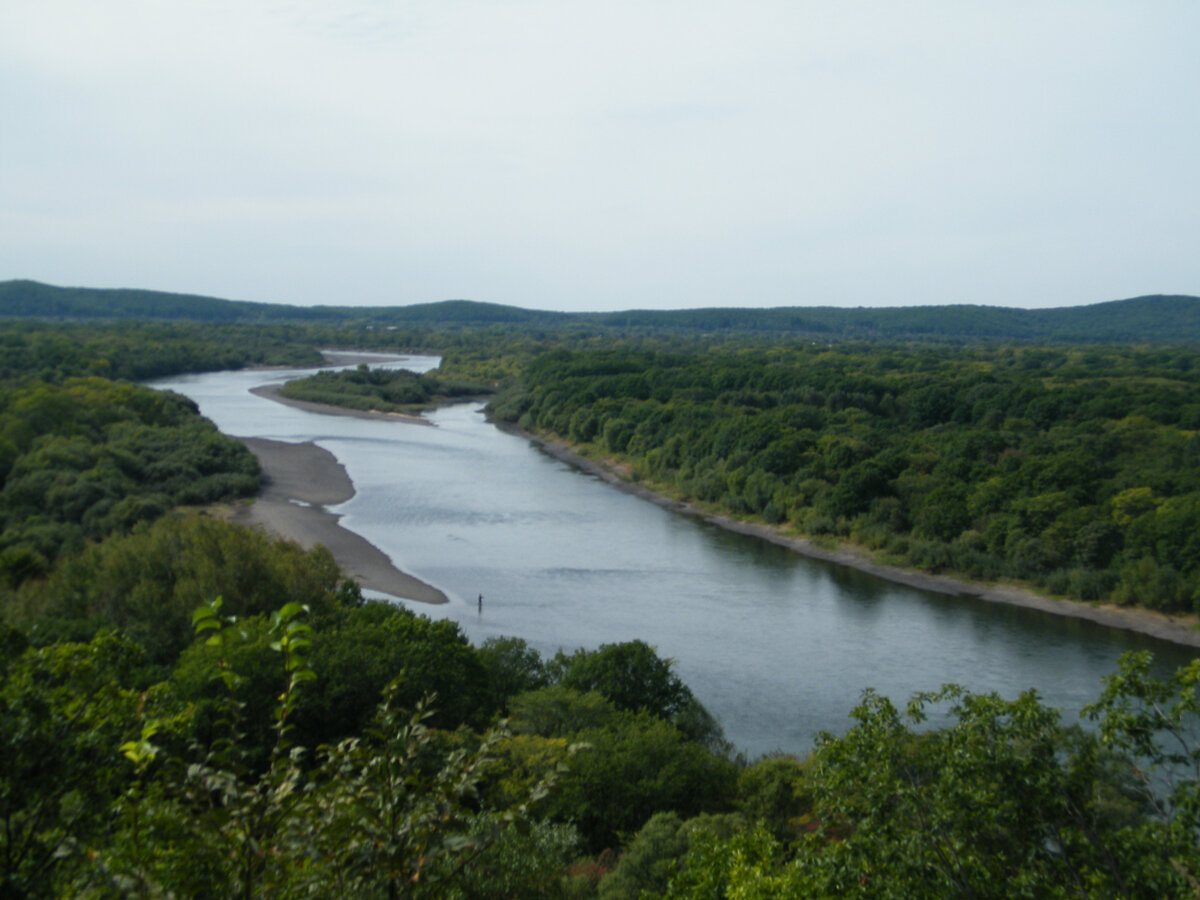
{"x": 779, "y": 647}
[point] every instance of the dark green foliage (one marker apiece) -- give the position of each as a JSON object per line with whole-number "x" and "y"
{"x": 1150, "y": 318}
{"x": 635, "y": 766}
{"x": 379, "y": 644}
{"x": 355, "y": 656}
{"x": 1073, "y": 469}
{"x": 652, "y": 859}
{"x": 649, "y": 861}
{"x": 775, "y": 792}
{"x": 384, "y": 390}
{"x": 636, "y": 761}
{"x": 559, "y": 712}
{"x": 511, "y": 667}
{"x": 390, "y": 813}
{"x": 91, "y": 457}
{"x": 633, "y": 677}
{"x": 150, "y": 582}
{"x": 141, "y": 350}
{"x": 630, "y": 674}
{"x": 43, "y": 301}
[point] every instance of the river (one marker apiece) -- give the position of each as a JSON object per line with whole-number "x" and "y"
{"x": 779, "y": 647}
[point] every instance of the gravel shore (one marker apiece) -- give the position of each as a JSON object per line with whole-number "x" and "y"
{"x": 300, "y": 480}
{"x": 300, "y": 474}
{"x": 1174, "y": 629}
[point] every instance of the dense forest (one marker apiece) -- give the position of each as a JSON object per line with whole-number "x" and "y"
{"x": 1075, "y": 469}
{"x": 1157, "y": 318}
{"x": 381, "y": 389}
{"x": 190, "y": 708}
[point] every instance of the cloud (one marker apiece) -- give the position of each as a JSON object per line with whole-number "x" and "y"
{"x": 610, "y": 155}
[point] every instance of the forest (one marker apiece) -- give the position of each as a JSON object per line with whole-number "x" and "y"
{"x": 381, "y": 389}
{"x": 1154, "y": 318}
{"x": 1076, "y": 470}
{"x": 191, "y": 708}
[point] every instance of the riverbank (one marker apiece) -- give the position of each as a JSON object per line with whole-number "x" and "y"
{"x": 274, "y": 392}
{"x": 1183, "y": 630}
{"x": 300, "y": 480}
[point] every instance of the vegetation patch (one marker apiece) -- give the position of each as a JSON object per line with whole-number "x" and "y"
{"x": 381, "y": 390}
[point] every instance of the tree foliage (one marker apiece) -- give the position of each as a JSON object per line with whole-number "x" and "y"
{"x": 1074, "y": 469}
{"x": 380, "y": 389}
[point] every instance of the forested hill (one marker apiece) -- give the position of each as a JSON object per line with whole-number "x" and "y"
{"x": 1152, "y": 318}
{"x": 1156, "y": 318}
{"x": 32, "y": 299}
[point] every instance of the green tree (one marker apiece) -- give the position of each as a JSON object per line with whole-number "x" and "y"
{"x": 635, "y": 678}
{"x": 64, "y": 712}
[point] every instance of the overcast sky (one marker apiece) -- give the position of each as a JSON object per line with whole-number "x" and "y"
{"x": 604, "y": 155}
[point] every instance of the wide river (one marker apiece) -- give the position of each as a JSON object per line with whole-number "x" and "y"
{"x": 777, "y": 646}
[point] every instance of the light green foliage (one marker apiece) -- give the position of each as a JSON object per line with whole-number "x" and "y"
{"x": 521, "y": 762}
{"x": 1157, "y": 722}
{"x": 64, "y": 712}
{"x": 746, "y": 864}
{"x": 385, "y": 815}
{"x": 1002, "y": 802}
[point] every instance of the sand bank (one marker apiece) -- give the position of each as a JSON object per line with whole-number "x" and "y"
{"x": 272, "y": 392}
{"x": 1175, "y": 629}
{"x": 300, "y": 480}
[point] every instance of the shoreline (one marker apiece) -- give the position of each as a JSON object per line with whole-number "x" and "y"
{"x": 273, "y": 392}
{"x": 299, "y": 481}
{"x": 1172, "y": 629}
{"x": 1177, "y": 630}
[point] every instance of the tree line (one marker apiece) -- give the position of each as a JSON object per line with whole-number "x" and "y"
{"x": 1077, "y": 470}
{"x": 381, "y": 389}
{"x": 1154, "y": 318}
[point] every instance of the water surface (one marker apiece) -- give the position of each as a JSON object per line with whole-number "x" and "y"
{"x": 779, "y": 647}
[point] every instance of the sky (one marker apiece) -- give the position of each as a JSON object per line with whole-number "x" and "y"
{"x": 607, "y": 155}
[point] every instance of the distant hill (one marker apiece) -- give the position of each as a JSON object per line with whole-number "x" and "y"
{"x": 1157, "y": 318}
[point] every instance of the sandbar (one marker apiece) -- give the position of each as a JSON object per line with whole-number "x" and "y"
{"x": 299, "y": 481}
{"x": 272, "y": 392}
{"x": 1173, "y": 629}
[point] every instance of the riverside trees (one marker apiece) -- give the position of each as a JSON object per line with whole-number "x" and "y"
{"x": 1075, "y": 469}
{"x": 113, "y": 787}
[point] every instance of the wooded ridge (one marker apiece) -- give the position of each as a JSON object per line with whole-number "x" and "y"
{"x": 1155, "y": 318}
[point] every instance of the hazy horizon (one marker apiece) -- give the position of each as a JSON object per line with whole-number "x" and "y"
{"x": 570, "y": 157}
{"x": 630, "y": 309}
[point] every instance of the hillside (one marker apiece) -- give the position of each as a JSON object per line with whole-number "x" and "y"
{"x": 1149, "y": 319}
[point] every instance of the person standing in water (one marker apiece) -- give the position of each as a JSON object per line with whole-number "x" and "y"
{"x": 481, "y": 604}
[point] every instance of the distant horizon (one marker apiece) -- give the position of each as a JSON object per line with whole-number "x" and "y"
{"x": 744, "y": 308}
